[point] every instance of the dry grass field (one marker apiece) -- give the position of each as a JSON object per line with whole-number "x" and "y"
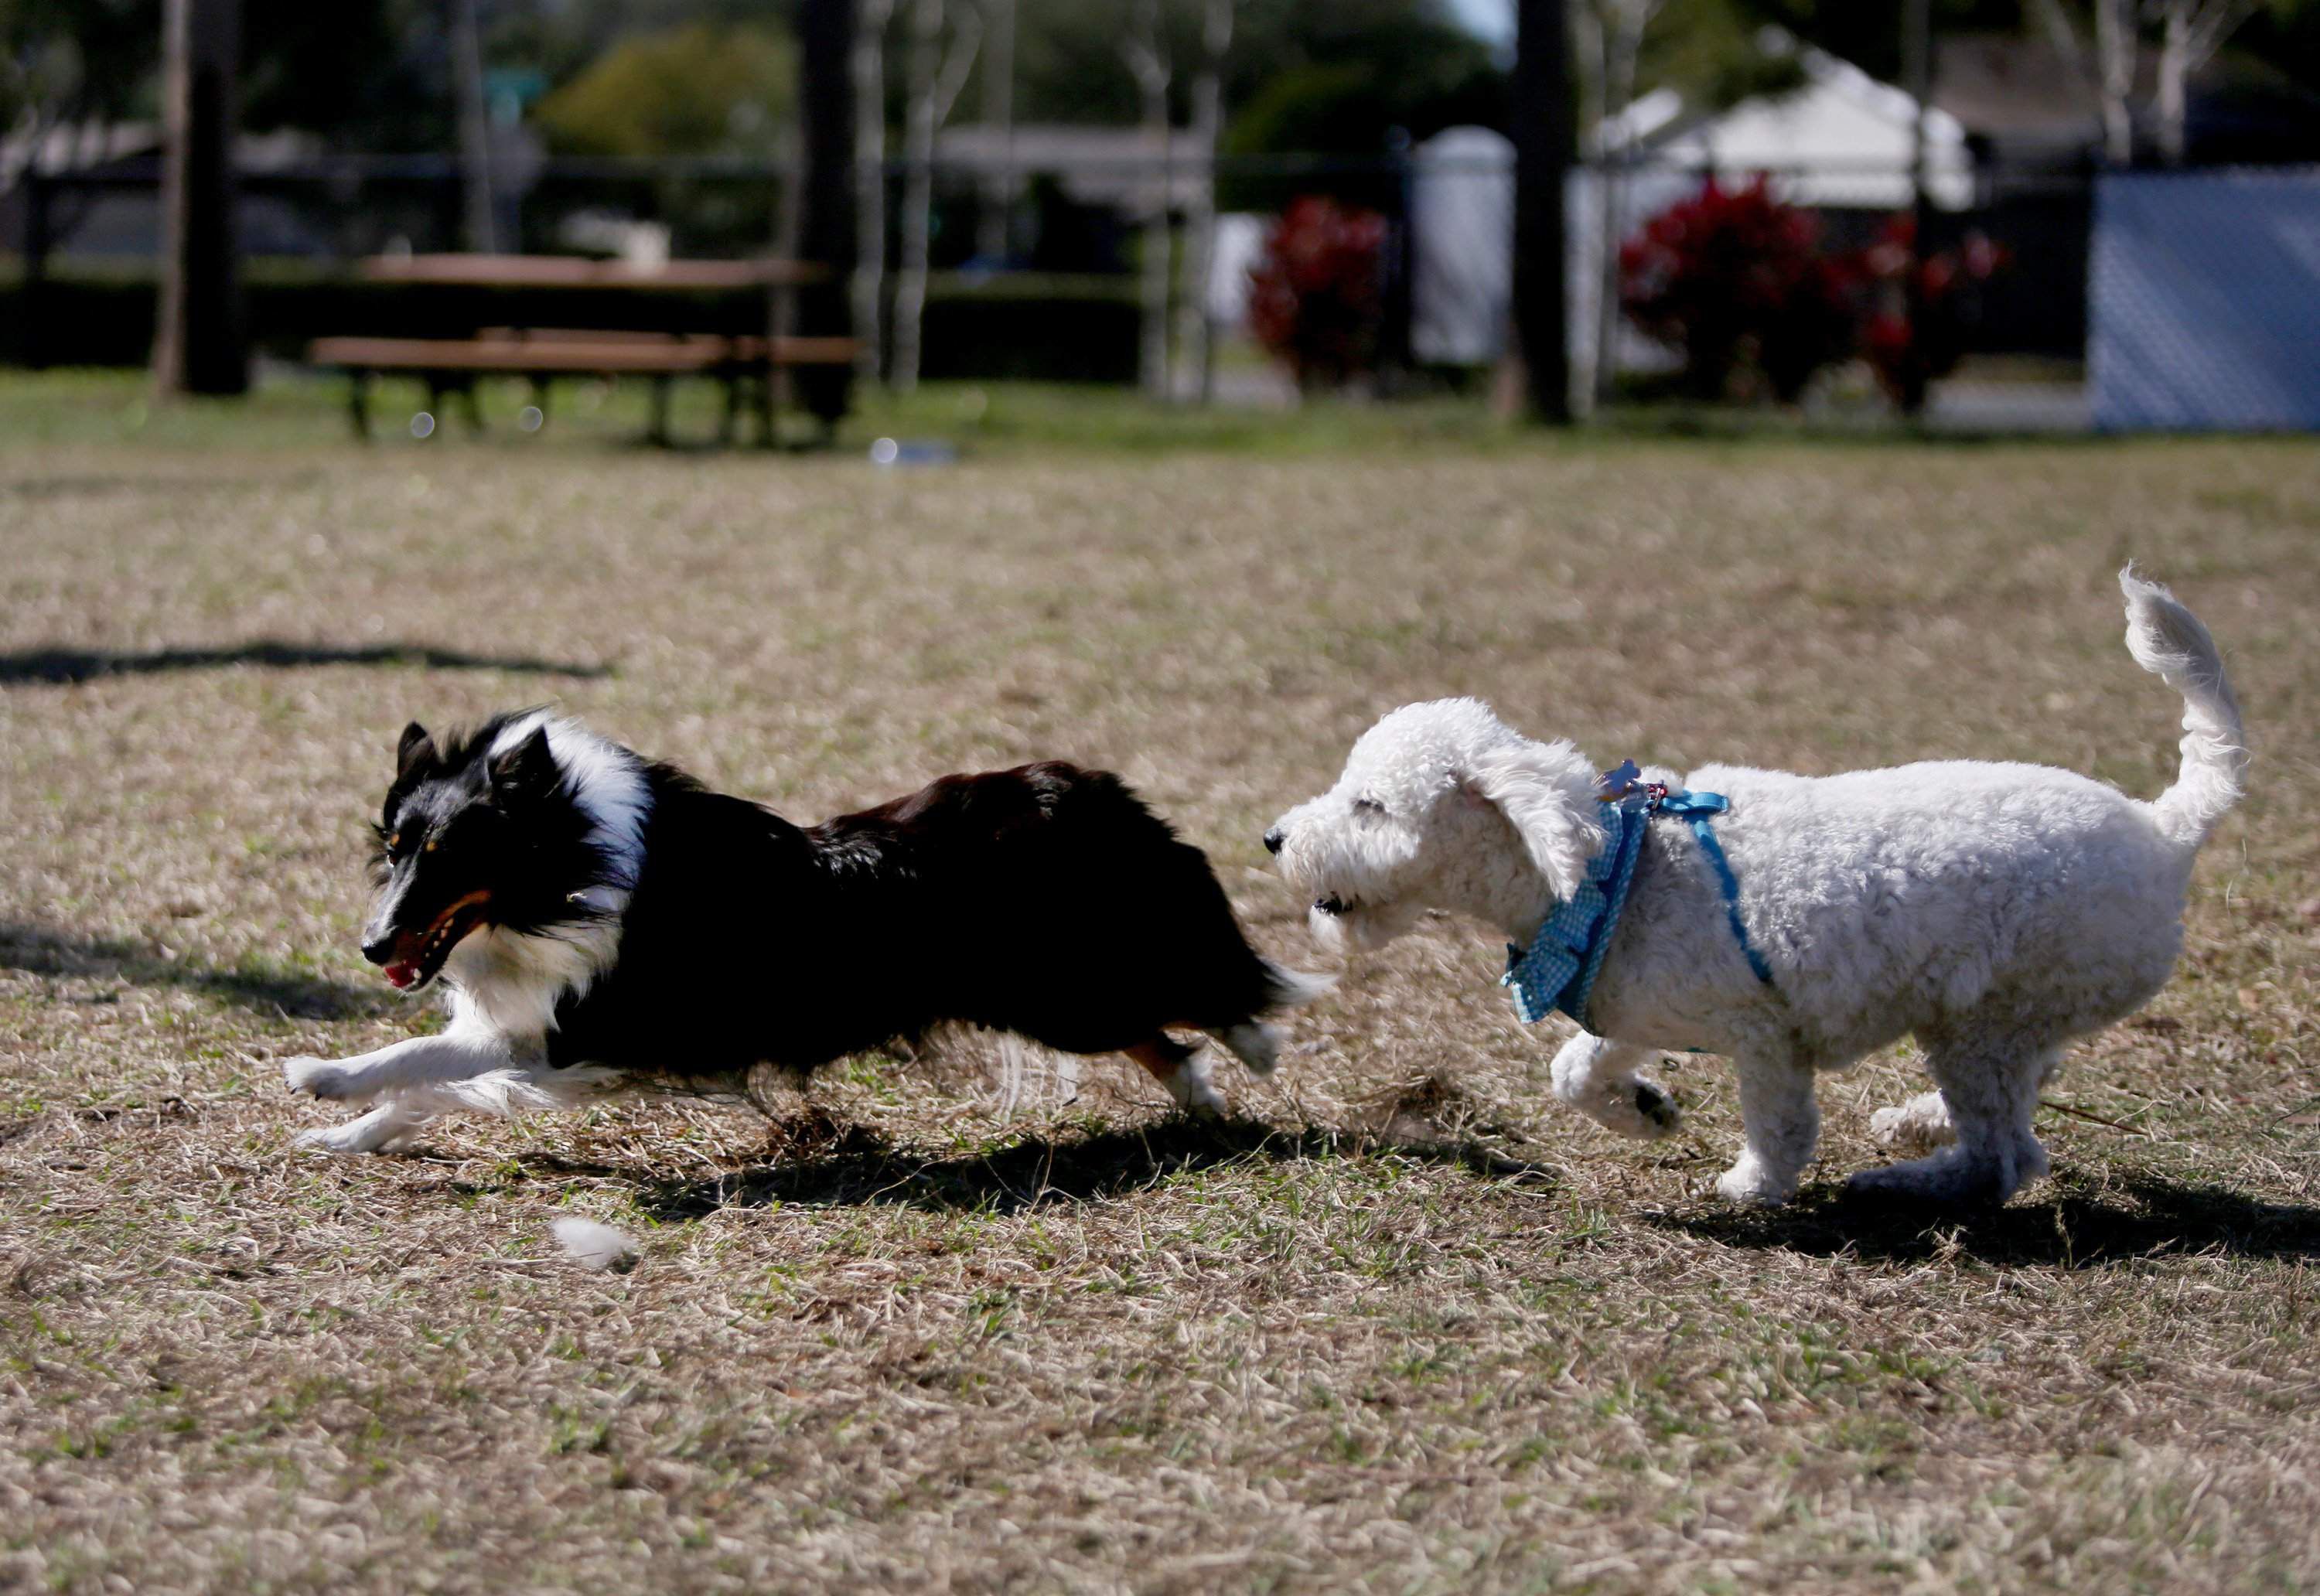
{"x": 1400, "y": 1325}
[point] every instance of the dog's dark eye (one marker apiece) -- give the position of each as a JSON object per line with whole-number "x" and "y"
{"x": 1368, "y": 806}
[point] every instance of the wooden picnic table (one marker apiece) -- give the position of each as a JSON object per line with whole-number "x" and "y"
{"x": 577, "y": 271}
{"x": 452, "y": 364}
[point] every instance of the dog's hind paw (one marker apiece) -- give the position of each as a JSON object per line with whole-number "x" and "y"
{"x": 1750, "y": 1183}
{"x": 383, "y": 1129}
{"x": 1958, "y": 1176}
{"x": 1919, "y": 1125}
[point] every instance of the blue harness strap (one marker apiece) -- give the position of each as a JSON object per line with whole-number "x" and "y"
{"x": 1557, "y": 971}
{"x": 1696, "y": 807}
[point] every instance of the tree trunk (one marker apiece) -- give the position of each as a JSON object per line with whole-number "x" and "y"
{"x": 2174, "y": 67}
{"x": 917, "y": 190}
{"x": 1195, "y": 336}
{"x": 867, "y": 69}
{"x": 475, "y": 130}
{"x": 1917, "y": 68}
{"x": 1146, "y": 59}
{"x": 1622, "y": 43}
{"x": 935, "y": 83}
{"x": 2115, "y": 77}
{"x": 198, "y": 346}
{"x": 1590, "y": 60}
{"x": 2193, "y": 31}
{"x": 991, "y": 241}
{"x": 826, "y": 171}
{"x": 1541, "y": 125}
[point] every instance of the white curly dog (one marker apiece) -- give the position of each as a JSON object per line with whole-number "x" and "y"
{"x": 1994, "y": 910}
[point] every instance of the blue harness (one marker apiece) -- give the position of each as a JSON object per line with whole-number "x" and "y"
{"x": 1558, "y": 970}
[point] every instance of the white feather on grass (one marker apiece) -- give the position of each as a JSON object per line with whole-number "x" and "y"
{"x": 593, "y": 1245}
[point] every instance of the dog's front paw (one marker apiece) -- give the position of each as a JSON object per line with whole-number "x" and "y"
{"x": 1635, "y": 1108}
{"x": 1193, "y": 1090}
{"x": 1657, "y": 1115}
{"x": 318, "y": 1078}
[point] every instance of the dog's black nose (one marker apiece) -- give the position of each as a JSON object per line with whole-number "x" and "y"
{"x": 1272, "y": 840}
{"x": 377, "y": 949}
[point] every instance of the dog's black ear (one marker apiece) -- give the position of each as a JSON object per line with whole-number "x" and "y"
{"x": 526, "y": 771}
{"x": 414, "y": 753}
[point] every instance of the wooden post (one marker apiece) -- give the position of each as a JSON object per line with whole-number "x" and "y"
{"x": 826, "y": 232}
{"x": 198, "y": 346}
{"x": 1541, "y": 96}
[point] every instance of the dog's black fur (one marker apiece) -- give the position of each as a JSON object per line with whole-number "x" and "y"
{"x": 1046, "y": 899}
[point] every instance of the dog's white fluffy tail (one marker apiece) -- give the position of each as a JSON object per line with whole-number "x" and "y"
{"x": 2168, "y": 641}
{"x": 1293, "y": 989}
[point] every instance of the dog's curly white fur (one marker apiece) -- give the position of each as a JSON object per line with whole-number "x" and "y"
{"x": 1994, "y": 910}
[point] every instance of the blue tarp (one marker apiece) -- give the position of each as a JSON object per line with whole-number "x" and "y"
{"x": 2204, "y": 301}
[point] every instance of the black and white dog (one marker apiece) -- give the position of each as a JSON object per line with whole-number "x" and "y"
{"x": 603, "y": 919}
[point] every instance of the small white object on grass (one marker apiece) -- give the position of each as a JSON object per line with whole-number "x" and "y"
{"x": 593, "y": 1245}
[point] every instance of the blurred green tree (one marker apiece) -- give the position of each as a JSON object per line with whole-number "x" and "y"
{"x": 1344, "y": 72}
{"x": 699, "y": 90}
{"x": 64, "y": 61}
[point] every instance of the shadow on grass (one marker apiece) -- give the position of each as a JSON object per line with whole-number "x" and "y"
{"x": 856, "y": 1168}
{"x": 67, "y": 667}
{"x": 2074, "y": 1224}
{"x": 254, "y": 985}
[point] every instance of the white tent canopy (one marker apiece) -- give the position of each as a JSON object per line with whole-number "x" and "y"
{"x": 1840, "y": 139}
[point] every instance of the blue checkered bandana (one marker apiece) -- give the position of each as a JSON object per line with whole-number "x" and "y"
{"x": 1557, "y": 971}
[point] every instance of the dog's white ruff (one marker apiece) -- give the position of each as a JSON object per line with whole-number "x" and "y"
{"x": 1994, "y": 910}
{"x": 504, "y": 986}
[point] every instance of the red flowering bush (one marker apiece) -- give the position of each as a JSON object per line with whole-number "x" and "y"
{"x": 1316, "y": 296}
{"x": 1738, "y": 281}
{"x": 1908, "y": 344}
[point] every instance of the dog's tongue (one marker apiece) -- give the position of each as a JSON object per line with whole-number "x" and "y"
{"x": 401, "y": 973}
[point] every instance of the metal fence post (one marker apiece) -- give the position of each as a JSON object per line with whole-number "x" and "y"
{"x": 32, "y": 315}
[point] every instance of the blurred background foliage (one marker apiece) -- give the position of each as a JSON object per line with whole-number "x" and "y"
{"x": 697, "y": 89}
{"x": 698, "y": 76}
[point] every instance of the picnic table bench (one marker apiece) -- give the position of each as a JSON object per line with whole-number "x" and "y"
{"x": 743, "y": 362}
